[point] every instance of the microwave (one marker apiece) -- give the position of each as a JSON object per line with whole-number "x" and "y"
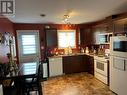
{"x": 118, "y": 46}
{"x": 104, "y": 38}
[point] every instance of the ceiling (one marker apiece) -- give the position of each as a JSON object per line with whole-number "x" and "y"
{"x": 80, "y": 11}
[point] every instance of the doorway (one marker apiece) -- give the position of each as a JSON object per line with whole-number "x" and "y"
{"x": 28, "y": 46}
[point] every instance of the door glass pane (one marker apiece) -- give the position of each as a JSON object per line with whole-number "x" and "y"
{"x": 30, "y": 68}
{"x": 28, "y": 44}
{"x": 28, "y": 39}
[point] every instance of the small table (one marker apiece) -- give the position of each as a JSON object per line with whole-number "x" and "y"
{"x": 25, "y": 70}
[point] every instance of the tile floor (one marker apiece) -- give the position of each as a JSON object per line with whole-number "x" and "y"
{"x": 75, "y": 84}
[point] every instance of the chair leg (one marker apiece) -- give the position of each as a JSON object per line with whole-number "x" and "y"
{"x": 28, "y": 93}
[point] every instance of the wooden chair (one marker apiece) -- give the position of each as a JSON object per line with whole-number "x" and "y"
{"x": 7, "y": 84}
{"x": 33, "y": 84}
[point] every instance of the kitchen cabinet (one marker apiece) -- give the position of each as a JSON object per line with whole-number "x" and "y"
{"x": 96, "y": 32}
{"x": 74, "y": 64}
{"x": 71, "y": 64}
{"x": 55, "y": 66}
{"x": 86, "y": 36}
{"x": 120, "y": 26}
{"x": 100, "y": 29}
{"x": 51, "y": 37}
{"x": 50, "y": 41}
{"x": 90, "y": 64}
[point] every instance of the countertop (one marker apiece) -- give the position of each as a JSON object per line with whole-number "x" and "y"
{"x": 74, "y": 54}
{"x": 96, "y": 57}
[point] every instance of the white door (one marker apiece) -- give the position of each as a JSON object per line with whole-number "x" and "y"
{"x": 28, "y": 45}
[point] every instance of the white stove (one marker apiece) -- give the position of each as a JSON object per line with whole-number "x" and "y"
{"x": 101, "y": 69}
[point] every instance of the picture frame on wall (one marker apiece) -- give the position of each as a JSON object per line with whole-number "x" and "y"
{"x": 5, "y": 39}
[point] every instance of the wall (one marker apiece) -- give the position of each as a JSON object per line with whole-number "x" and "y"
{"x": 40, "y": 27}
{"x": 5, "y": 26}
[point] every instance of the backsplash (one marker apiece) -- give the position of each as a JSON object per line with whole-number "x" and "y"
{"x": 92, "y": 49}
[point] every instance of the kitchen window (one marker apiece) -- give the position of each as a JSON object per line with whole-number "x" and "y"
{"x": 66, "y": 38}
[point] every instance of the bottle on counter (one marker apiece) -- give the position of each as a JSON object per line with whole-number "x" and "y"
{"x": 101, "y": 51}
{"x": 69, "y": 50}
{"x": 94, "y": 51}
{"x": 66, "y": 51}
{"x": 87, "y": 50}
{"x": 82, "y": 50}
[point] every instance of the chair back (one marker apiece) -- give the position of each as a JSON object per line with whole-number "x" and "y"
{"x": 44, "y": 69}
{"x": 1, "y": 70}
{"x": 37, "y": 75}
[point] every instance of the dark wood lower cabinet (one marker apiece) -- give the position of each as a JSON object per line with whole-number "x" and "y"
{"x": 73, "y": 64}
{"x": 90, "y": 64}
{"x": 77, "y": 64}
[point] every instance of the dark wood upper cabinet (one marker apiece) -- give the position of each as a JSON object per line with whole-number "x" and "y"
{"x": 50, "y": 41}
{"x": 86, "y": 37}
{"x": 51, "y": 37}
{"x": 101, "y": 28}
{"x": 120, "y": 26}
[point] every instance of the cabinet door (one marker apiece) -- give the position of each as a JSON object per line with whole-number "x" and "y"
{"x": 90, "y": 64}
{"x": 86, "y": 36}
{"x": 51, "y": 37}
{"x": 82, "y": 41}
{"x": 96, "y": 32}
{"x": 120, "y": 26}
{"x": 73, "y": 64}
{"x": 101, "y": 28}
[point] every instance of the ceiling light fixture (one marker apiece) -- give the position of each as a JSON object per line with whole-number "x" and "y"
{"x": 66, "y": 19}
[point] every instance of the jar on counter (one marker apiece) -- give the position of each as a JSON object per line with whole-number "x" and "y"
{"x": 87, "y": 50}
{"x": 82, "y": 50}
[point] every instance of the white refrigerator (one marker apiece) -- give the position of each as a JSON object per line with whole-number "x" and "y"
{"x": 118, "y": 75}
{"x": 118, "y": 65}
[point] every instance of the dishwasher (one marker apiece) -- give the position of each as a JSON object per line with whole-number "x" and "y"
{"x": 55, "y": 66}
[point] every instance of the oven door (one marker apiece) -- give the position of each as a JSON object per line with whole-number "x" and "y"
{"x": 101, "y": 67}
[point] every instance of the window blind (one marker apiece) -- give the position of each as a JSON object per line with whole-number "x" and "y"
{"x": 66, "y": 38}
{"x": 28, "y": 44}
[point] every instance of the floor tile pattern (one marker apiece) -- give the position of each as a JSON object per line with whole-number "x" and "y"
{"x": 75, "y": 84}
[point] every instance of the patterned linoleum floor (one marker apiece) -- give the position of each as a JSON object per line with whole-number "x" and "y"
{"x": 75, "y": 84}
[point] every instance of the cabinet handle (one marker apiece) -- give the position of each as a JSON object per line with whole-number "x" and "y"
{"x": 124, "y": 65}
